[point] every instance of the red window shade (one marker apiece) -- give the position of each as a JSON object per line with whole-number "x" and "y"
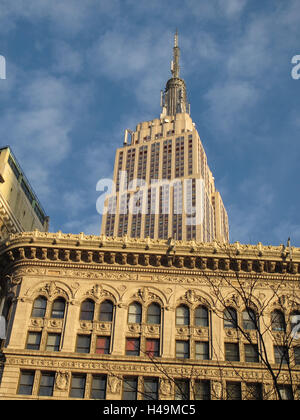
{"x": 131, "y": 344}
{"x": 102, "y": 345}
{"x": 152, "y": 348}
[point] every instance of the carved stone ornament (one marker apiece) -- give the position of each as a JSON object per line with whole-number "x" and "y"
{"x": 165, "y": 387}
{"x": 114, "y": 384}
{"x": 62, "y": 380}
{"x": 217, "y": 390}
{"x": 51, "y": 290}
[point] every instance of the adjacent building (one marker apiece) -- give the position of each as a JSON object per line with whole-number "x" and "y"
{"x": 20, "y": 209}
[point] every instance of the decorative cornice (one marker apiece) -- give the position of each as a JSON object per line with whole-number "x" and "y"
{"x": 87, "y": 251}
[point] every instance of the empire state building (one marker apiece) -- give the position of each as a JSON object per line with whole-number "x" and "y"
{"x": 163, "y": 187}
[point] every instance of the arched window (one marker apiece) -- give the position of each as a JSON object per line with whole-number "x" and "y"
{"x": 153, "y": 314}
{"x": 87, "y": 310}
{"x": 230, "y": 318}
{"x": 134, "y": 313}
{"x": 106, "y": 311}
{"x": 249, "y": 319}
{"x": 39, "y": 307}
{"x": 58, "y": 308}
{"x": 182, "y": 315}
{"x": 201, "y": 316}
{"x": 278, "y": 321}
{"x": 295, "y": 322}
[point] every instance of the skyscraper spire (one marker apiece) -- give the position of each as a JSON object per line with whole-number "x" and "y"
{"x": 174, "y": 98}
{"x": 175, "y": 68}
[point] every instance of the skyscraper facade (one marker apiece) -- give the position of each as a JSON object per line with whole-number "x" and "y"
{"x": 163, "y": 187}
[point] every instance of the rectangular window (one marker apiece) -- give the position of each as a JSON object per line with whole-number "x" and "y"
{"x": 33, "y": 340}
{"x": 286, "y": 392}
{"x": 202, "y": 350}
{"x": 83, "y": 343}
{"x": 26, "y": 382}
{"x": 253, "y": 391}
{"x": 77, "y": 385}
{"x": 53, "y": 342}
{"x": 297, "y": 355}
{"x": 281, "y": 355}
{"x": 232, "y": 352}
{"x": 152, "y": 347}
{"x": 130, "y": 388}
{"x": 98, "y": 387}
{"x": 251, "y": 353}
{"x": 102, "y": 345}
{"x": 182, "y": 349}
{"x": 47, "y": 384}
{"x": 132, "y": 346}
{"x": 202, "y": 390}
{"x": 150, "y": 389}
{"x": 182, "y": 389}
{"x": 233, "y": 391}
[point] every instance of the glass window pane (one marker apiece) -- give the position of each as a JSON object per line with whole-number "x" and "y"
{"x": 233, "y": 391}
{"x": 249, "y": 319}
{"x": 232, "y": 352}
{"x": 202, "y": 350}
{"x": 26, "y": 382}
{"x": 230, "y": 318}
{"x": 153, "y": 314}
{"x": 182, "y": 349}
{"x": 182, "y": 315}
{"x": 87, "y": 310}
{"x": 53, "y": 341}
{"x": 295, "y": 321}
{"x": 47, "y": 384}
{"x": 201, "y": 316}
{"x": 251, "y": 353}
{"x": 281, "y": 355}
{"x": 135, "y": 313}
{"x": 58, "y": 308}
{"x": 129, "y": 388}
{"x": 83, "y": 343}
{"x": 181, "y": 389}
{"x": 33, "y": 340}
{"x": 202, "y": 390}
{"x": 77, "y": 386}
{"x": 106, "y": 311}
{"x": 278, "y": 322}
{"x": 39, "y": 307}
{"x": 285, "y": 392}
{"x": 150, "y": 389}
{"x": 98, "y": 387}
{"x": 254, "y": 391}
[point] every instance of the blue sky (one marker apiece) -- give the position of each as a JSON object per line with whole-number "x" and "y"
{"x": 80, "y": 72}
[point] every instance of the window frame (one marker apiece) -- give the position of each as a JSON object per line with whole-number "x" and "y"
{"x": 184, "y": 320}
{"x": 84, "y": 311}
{"x": 45, "y": 301}
{"x": 104, "y": 314}
{"x": 60, "y": 314}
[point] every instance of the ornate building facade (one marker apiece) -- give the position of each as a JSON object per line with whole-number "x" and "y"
{"x": 102, "y": 318}
{"x": 159, "y": 306}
